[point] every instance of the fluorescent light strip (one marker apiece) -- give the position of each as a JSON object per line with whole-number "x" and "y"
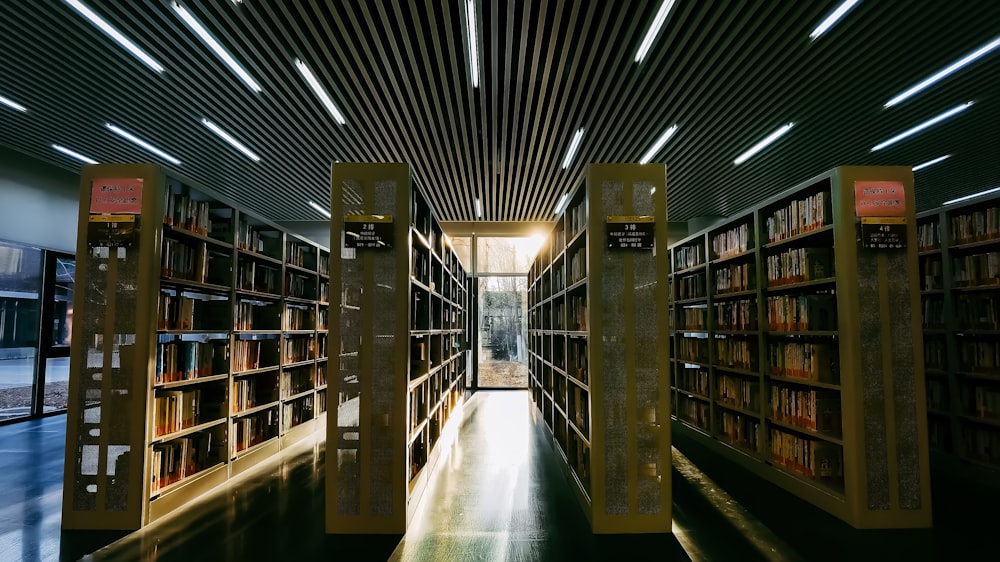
{"x": 833, "y": 18}
{"x": 230, "y": 139}
{"x": 658, "y": 145}
{"x": 930, "y": 122}
{"x": 973, "y": 196}
{"x": 654, "y": 29}
{"x": 74, "y": 154}
{"x": 930, "y": 163}
{"x": 470, "y": 15}
{"x": 763, "y": 144}
{"x": 113, "y": 33}
{"x": 320, "y": 92}
{"x": 12, "y": 104}
{"x": 573, "y": 147}
{"x": 321, "y": 210}
{"x": 479, "y": 209}
{"x": 136, "y": 140}
{"x": 941, "y": 74}
{"x": 213, "y": 44}
{"x": 559, "y": 205}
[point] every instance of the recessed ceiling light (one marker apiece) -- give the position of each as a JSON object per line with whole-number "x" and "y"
{"x": 559, "y": 205}
{"x": 12, "y": 104}
{"x": 320, "y": 92}
{"x": 139, "y": 142}
{"x": 321, "y": 210}
{"x": 479, "y": 209}
{"x": 973, "y": 196}
{"x": 941, "y": 74}
{"x": 763, "y": 144}
{"x": 658, "y": 145}
{"x": 74, "y": 154}
{"x": 574, "y": 145}
{"x": 213, "y": 44}
{"x": 929, "y": 123}
{"x": 470, "y": 16}
{"x": 930, "y": 163}
{"x": 833, "y": 18}
{"x": 654, "y": 29}
{"x": 116, "y": 35}
{"x": 230, "y": 139}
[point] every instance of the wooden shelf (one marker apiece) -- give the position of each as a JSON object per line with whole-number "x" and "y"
{"x": 188, "y": 431}
{"x": 255, "y": 409}
{"x": 191, "y": 382}
{"x": 799, "y": 237}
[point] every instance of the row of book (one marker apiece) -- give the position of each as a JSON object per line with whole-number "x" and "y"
{"x": 694, "y": 412}
{"x": 579, "y": 409}
{"x": 296, "y": 413}
{"x": 250, "y": 392}
{"x": 739, "y": 430}
{"x": 577, "y": 318}
{"x": 737, "y": 391}
{"x": 177, "y": 459}
{"x": 797, "y": 265}
{"x": 818, "y": 410}
{"x": 301, "y": 255}
{"x": 578, "y": 265}
{"x": 928, "y": 236}
{"x": 976, "y": 226}
{"x": 558, "y": 279}
{"x": 933, "y": 314}
{"x": 194, "y": 262}
{"x": 298, "y": 318}
{"x": 182, "y": 312}
{"x": 931, "y": 273}
{"x": 815, "y": 459}
{"x": 983, "y": 401}
{"x": 787, "y": 313}
{"x": 736, "y": 315}
{"x": 691, "y": 287}
{"x": 297, "y": 380}
{"x": 694, "y": 318}
{"x": 576, "y": 220}
{"x": 686, "y": 257}
{"x": 978, "y": 312}
{"x": 804, "y": 360}
{"x": 799, "y": 217}
{"x": 297, "y": 349}
{"x": 254, "y": 429}
{"x": 254, "y": 315}
{"x": 736, "y": 353}
{"x": 935, "y": 351}
{"x": 693, "y": 379}
{"x": 174, "y": 410}
{"x": 558, "y": 316}
{"x": 976, "y": 270}
{"x": 252, "y": 239}
{"x": 299, "y": 287}
{"x": 324, "y": 291}
{"x": 979, "y": 356}
{"x": 693, "y": 349}
{"x": 249, "y": 355}
{"x": 577, "y": 365}
{"x": 181, "y": 211}
{"x": 257, "y": 277}
{"x": 734, "y": 278}
{"x": 732, "y": 242}
{"x": 186, "y": 360}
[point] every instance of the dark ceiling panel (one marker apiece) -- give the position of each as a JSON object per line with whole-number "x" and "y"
{"x": 726, "y": 72}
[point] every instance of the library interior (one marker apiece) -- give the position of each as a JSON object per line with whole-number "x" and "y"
{"x": 499, "y": 280}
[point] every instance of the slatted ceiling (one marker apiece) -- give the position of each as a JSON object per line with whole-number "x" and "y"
{"x": 727, "y": 73}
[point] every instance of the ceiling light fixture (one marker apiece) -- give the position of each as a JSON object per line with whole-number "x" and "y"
{"x": 941, "y": 74}
{"x": 930, "y": 163}
{"x": 479, "y": 209}
{"x": 137, "y": 141}
{"x": 973, "y": 196}
{"x": 470, "y": 16}
{"x": 559, "y": 205}
{"x": 763, "y": 144}
{"x": 574, "y": 145}
{"x": 113, "y": 33}
{"x": 74, "y": 154}
{"x": 654, "y": 30}
{"x": 12, "y": 104}
{"x": 217, "y": 48}
{"x": 230, "y": 139}
{"x": 658, "y": 145}
{"x": 833, "y": 18}
{"x": 321, "y": 210}
{"x": 320, "y": 92}
{"x": 930, "y": 122}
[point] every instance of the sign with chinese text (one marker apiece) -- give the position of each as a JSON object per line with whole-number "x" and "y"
{"x": 879, "y": 199}
{"x": 368, "y": 231}
{"x": 883, "y": 233}
{"x": 112, "y": 231}
{"x": 630, "y": 232}
{"x": 116, "y": 196}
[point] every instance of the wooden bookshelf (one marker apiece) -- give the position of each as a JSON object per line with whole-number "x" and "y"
{"x": 598, "y": 376}
{"x": 401, "y": 375}
{"x": 810, "y": 372}
{"x": 959, "y": 265}
{"x": 176, "y": 371}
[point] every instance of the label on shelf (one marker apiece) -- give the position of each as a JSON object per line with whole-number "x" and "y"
{"x": 879, "y": 199}
{"x": 883, "y": 233}
{"x": 368, "y": 231}
{"x": 112, "y": 231}
{"x": 116, "y": 195}
{"x": 630, "y": 232}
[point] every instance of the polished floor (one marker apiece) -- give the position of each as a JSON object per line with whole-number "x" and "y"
{"x": 499, "y": 495}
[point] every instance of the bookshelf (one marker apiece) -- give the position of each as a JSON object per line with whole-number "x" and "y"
{"x": 959, "y": 267}
{"x": 798, "y": 350}
{"x": 401, "y": 376}
{"x": 178, "y": 372}
{"x": 598, "y": 376}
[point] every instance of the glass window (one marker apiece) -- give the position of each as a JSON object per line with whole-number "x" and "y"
{"x": 463, "y": 248}
{"x": 20, "y": 288}
{"x": 57, "y": 367}
{"x": 503, "y": 332}
{"x": 508, "y": 254}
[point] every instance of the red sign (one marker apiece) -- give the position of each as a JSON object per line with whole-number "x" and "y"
{"x": 116, "y": 195}
{"x": 879, "y": 199}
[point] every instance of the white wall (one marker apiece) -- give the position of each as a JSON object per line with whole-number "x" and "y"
{"x": 38, "y": 202}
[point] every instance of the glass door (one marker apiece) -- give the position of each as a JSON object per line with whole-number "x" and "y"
{"x": 20, "y": 300}
{"x": 52, "y": 387}
{"x": 503, "y": 331}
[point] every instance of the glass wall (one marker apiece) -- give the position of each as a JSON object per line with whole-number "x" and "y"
{"x": 503, "y": 332}
{"x": 20, "y": 313}
{"x": 56, "y": 374}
